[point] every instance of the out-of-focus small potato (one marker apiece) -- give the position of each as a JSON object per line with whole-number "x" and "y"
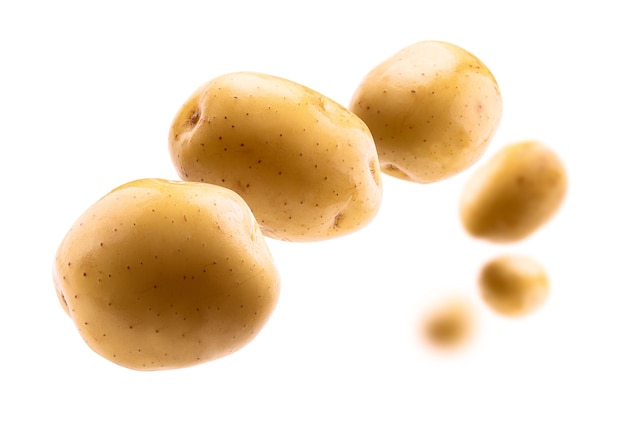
{"x": 448, "y": 325}
{"x": 513, "y": 285}
{"x": 514, "y": 193}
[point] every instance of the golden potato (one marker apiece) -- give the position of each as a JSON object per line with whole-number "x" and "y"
{"x": 448, "y": 325}
{"x": 161, "y": 274}
{"x": 513, "y": 285}
{"x": 513, "y": 194}
{"x": 432, "y": 108}
{"x": 306, "y": 166}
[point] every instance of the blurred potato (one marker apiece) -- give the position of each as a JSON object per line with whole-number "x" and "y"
{"x": 513, "y": 285}
{"x": 448, "y": 325}
{"x": 514, "y": 193}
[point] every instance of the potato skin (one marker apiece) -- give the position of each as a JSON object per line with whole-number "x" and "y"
{"x": 432, "y": 108}
{"x": 306, "y": 166}
{"x": 514, "y": 193}
{"x": 161, "y": 274}
{"x": 513, "y": 285}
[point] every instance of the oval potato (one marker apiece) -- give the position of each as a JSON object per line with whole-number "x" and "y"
{"x": 432, "y": 108}
{"x": 513, "y": 285}
{"x": 514, "y": 193}
{"x": 449, "y": 324}
{"x": 161, "y": 274}
{"x": 306, "y": 166}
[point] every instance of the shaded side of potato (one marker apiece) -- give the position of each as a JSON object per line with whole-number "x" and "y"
{"x": 432, "y": 108}
{"x": 513, "y": 194}
{"x": 513, "y": 285}
{"x": 160, "y": 274}
{"x": 306, "y": 166}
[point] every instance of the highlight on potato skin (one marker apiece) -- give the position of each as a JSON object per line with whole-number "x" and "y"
{"x": 513, "y": 285}
{"x": 306, "y": 166}
{"x": 448, "y": 325}
{"x": 432, "y": 107}
{"x": 162, "y": 274}
{"x": 514, "y": 193}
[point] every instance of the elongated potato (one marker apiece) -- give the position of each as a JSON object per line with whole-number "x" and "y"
{"x": 513, "y": 285}
{"x": 432, "y": 108}
{"x": 514, "y": 193}
{"x": 160, "y": 274}
{"x": 306, "y": 166}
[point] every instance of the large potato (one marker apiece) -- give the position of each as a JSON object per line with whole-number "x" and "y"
{"x": 514, "y": 193}
{"x": 432, "y": 108}
{"x": 513, "y": 285}
{"x": 160, "y": 274}
{"x": 306, "y": 166}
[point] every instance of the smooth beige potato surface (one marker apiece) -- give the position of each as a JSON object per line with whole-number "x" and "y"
{"x": 514, "y": 193}
{"x": 513, "y": 285}
{"x": 432, "y": 108}
{"x": 160, "y": 274}
{"x": 306, "y": 166}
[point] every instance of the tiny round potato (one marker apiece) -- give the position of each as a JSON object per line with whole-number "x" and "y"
{"x": 432, "y": 108}
{"x": 162, "y": 274}
{"x": 514, "y": 193}
{"x": 306, "y": 166}
{"x": 513, "y": 285}
{"x": 448, "y": 325}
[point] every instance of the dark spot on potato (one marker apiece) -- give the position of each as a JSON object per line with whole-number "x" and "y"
{"x": 194, "y": 118}
{"x": 339, "y": 217}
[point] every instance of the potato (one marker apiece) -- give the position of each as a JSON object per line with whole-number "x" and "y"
{"x": 306, "y": 166}
{"x": 432, "y": 108}
{"x": 513, "y": 285}
{"x": 163, "y": 274}
{"x": 448, "y": 325}
{"x": 514, "y": 193}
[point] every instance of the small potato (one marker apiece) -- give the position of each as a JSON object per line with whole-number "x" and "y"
{"x": 448, "y": 325}
{"x": 161, "y": 274}
{"x": 432, "y": 108}
{"x": 513, "y": 194}
{"x": 306, "y": 166}
{"x": 513, "y": 285}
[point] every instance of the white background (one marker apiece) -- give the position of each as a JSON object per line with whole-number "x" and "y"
{"x": 87, "y": 95}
